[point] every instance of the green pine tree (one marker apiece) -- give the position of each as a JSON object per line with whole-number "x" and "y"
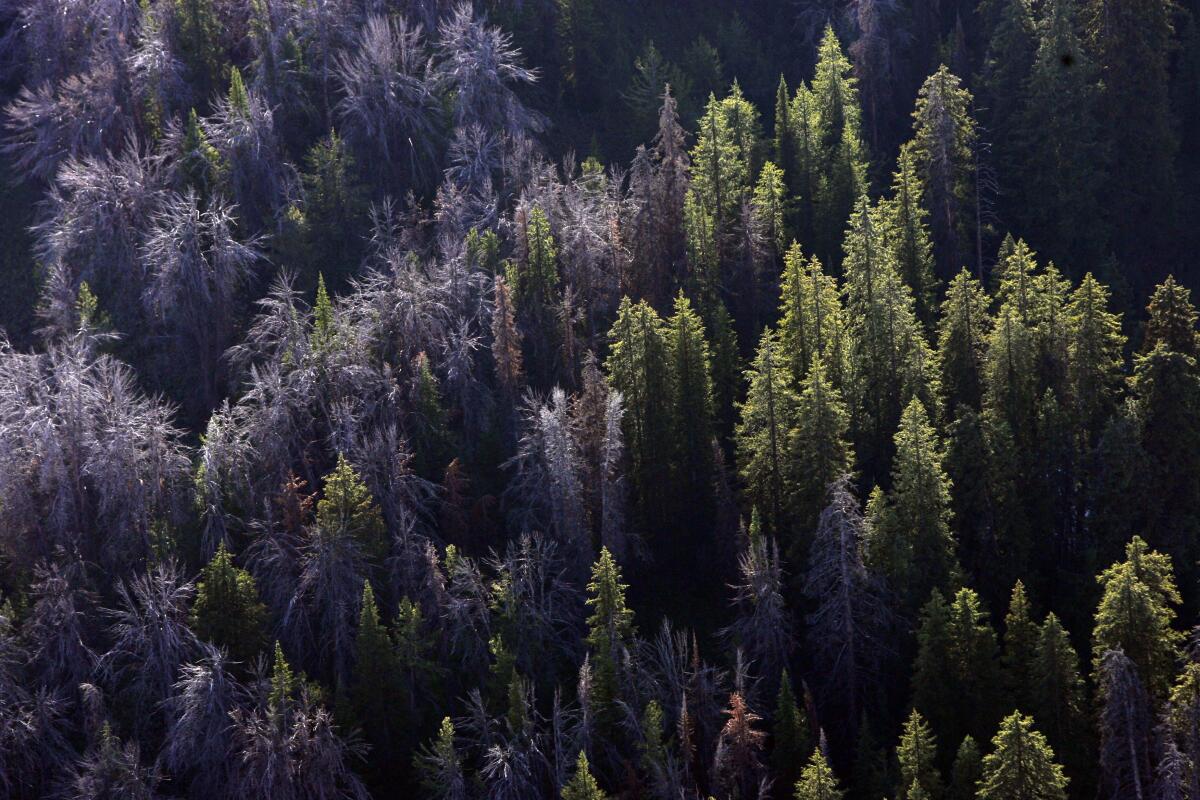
{"x": 917, "y": 754}
{"x": 818, "y": 782}
{"x": 610, "y": 631}
{"x": 582, "y": 785}
{"x": 347, "y": 509}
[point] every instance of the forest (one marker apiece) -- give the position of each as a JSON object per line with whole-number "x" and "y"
{"x": 599, "y": 399}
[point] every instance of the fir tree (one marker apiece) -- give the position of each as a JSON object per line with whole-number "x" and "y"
{"x": 1058, "y": 695}
{"x": 819, "y": 453}
{"x": 1171, "y": 320}
{"x": 374, "y": 688}
{"x": 227, "y": 611}
{"x": 1135, "y": 615}
{"x": 766, "y": 421}
{"x": 1021, "y": 765}
{"x": 818, "y": 782}
{"x": 582, "y": 785}
{"x": 610, "y": 632}
{"x": 908, "y": 237}
{"x": 966, "y": 771}
{"x": 1096, "y": 356}
{"x": 692, "y": 400}
{"x": 944, "y": 139}
{"x": 917, "y": 754}
{"x": 963, "y": 330}
{"x": 348, "y": 510}
{"x": 790, "y": 744}
{"x": 812, "y": 319}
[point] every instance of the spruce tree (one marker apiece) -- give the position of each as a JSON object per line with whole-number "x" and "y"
{"x": 790, "y": 744}
{"x": 966, "y": 771}
{"x": 374, "y": 687}
{"x": 692, "y": 400}
{"x": 1096, "y": 356}
{"x": 963, "y": 329}
{"x": 1136, "y": 613}
{"x": 1021, "y": 765}
{"x": 913, "y": 542}
{"x": 347, "y": 509}
{"x": 907, "y": 234}
{"x": 1021, "y": 636}
{"x": 1171, "y": 320}
{"x": 917, "y": 754}
{"x": 610, "y": 632}
{"x": 818, "y": 782}
{"x": 812, "y": 321}
{"x": 767, "y": 419}
{"x": 818, "y": 451}
{"x": 227, "y": 611}
{"x": 582, "y": 785}
{"x": 1058, "y": 695}
{"x": 944, "y": 139}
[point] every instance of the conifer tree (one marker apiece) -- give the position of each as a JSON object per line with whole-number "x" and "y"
{"x": 692, "y": 400}
{"x": 582, "y": 785}
{"x": 1058, "y": 695}
{"x": 323, "y": 330}
{"x": 838, "y": 135}
{"x": 227, "y": 611}
{"x": 770, "y": 212}
{"x": 963, "y": 330}
{"x": 767, "y": 419}
{"x": 1182, "y": 720}
{"x": 610, "y": 632}
{"x": 819, "y": 453}
{"x": 1021, "y": 765}
{"x": 847, "y": 627}
{"x": 917, "y": 754}
{"x": 804, "y": 180}
{"x": 790, "y": 736}
{"x": 912, "y": 541}
{"x": 506, "y": 341}
{"x": 1060, "y": 154}
{"x": 720, "y": 172}
{"x": 348, "y": 510}
{"x": 374, "y": 690}
{"x": 944, "y": 139}
{"x": 1096, "y": 355}
{"x": 785, "y": 145}
{"x": 1135, "y": 615}
{"x": 1021, "y": 636}
{"x": 818, "y": 782}
{"x": 812, "y": 321}
{"x": 1171, "y": 320}
{"x": 1130, "y": 42}
{"x": 966, "y": 771}
{"x": 907, "y": 234}
{"x": 1126, "y": 720}
{"x": 639, "y": 368}
{"x": 441, "y": 768}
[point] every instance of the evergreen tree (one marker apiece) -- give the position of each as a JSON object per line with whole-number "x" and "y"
{"x": 804, "y": 180}
{"x": 374, "y": 690}
{"x": 1058, "y": 695}
{"x": 838, "y": 137}
{"x": 1182, "y": 720}
{"x": 912, "y": 541}
{"x": 1021, "y": 765}
{"x": 819, "y": 453}
{"x": 944, "y": 139}
{"x": 812, "y": 321}
{"x": 767, "y": 419}
{"x": 818, "y": 781}
{"x": 1096, "y": 356}
{"x": 966, "y": 772}
{"x": 582, "y": 785}
{"x": 610, "y": 633}
{"x": 917, "y": 754}
{"x": 1059, "y": 154}
{"x": 441, "y": 768}
{"x": 639, "y": 367}
{"x": 1135, "y": 615}
{"x": 334, "y": 212}
{"x": 962, "y": 342}
{"x": 348, "y": 510}
{"x": 227, "y": 611}
{"x": 770, "y": 214}
{"x": 1171, "y": 320}
{"x": 790, "y": 743}
{"x": 692, "y": 400}
{"x": 908, "y": 235}
{"x": 1130, "y": 42}
{"x": 1021, "y": 635}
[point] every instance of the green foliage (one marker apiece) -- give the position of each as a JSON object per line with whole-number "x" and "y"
{"x": 1021, "y": 765}
{"x": 347, "y": 509}
{"x": 582, "y": 785}
{"x": 610, "y": 632}
{"x": 966, "y": 772}
{"x": 765, "y": 424}
{"x": 1136, "y": 613}
{"x": 227, "y": 611}
{"x": 1021, "y": 636}
{"x": 917, "y": 754}
{"x": 818, "y": 782}
{"x": 790, "y": 736}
